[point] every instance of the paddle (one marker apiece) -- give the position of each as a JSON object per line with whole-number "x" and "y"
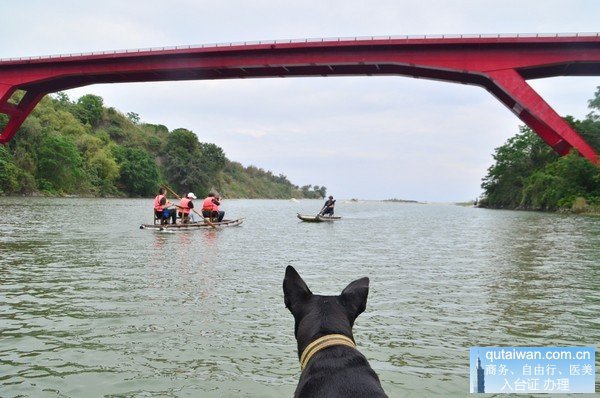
{"x": 206, "y": 220}
{"x": 319, "y": 213}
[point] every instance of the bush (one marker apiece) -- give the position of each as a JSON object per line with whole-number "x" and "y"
{"x": 579, "y": 205}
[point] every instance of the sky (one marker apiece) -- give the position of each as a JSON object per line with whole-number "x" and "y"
{"x": 361, "y": 137}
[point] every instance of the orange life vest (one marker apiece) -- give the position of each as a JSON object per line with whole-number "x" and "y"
{"x": 157, "y": 200}
{"x": 184, "y": 206}
{"x": 208, "y": 204}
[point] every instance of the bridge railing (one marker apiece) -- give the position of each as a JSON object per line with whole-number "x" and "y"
{"x": 310, "y": 40}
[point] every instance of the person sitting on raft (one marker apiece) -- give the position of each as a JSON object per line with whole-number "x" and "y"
{"x": 210, "y": 208}
{"x": 161, "y": 210}
{"x": 185, "y": 206}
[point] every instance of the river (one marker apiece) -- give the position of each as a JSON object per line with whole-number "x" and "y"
{"x": 93, "y": 306}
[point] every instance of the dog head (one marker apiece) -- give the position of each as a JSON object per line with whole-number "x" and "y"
{"x": 317, "y": 315}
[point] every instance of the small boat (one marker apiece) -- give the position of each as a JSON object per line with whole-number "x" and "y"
{"x": 193, "y": 225}
{"x": 317, "y": 218}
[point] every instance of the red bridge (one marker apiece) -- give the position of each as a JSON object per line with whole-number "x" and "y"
{"x": 500, "y": 64}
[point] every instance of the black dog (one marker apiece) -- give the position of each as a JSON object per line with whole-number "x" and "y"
{"x": 331, "y": 364}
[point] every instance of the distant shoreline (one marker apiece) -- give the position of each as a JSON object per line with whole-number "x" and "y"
{"x": 394, "y": 200}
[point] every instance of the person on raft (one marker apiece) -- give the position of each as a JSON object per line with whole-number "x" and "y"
{"x": 210, "y": 208}
{"x": 328, "y": 207}
{"x": 185, "y": 207}
{"x": 162, "y": 210}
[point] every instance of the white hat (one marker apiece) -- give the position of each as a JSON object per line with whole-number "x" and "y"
{"x": 191, "y": 195}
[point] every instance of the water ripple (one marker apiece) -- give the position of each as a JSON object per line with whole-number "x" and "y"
{"x": 101, "y": 308}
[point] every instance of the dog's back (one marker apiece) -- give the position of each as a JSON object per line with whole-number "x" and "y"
{"x": 339, "y": 372}
{"x": 332, "y": 366}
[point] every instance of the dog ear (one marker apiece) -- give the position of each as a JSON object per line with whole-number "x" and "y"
{"x": 295, "y": 289}
{"x": 354, "y": 297}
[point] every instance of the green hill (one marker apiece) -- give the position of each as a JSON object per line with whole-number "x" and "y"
{"x": 83, "y": 148}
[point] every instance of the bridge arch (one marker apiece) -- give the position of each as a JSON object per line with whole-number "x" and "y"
{"x": 500, "y": 64}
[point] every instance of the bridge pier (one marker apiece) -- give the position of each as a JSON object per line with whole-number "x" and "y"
{"x": 17, "y": 113}
{"x": 514, "y": 92}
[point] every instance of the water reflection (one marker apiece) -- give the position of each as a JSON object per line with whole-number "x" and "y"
{"x": 209, "y": 236}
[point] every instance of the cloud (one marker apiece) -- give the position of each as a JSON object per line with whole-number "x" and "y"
{"x": 250, "y": 133}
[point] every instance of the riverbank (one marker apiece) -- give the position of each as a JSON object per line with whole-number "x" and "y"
{"x": 580, "y": 206}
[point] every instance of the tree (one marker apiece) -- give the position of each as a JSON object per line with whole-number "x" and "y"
{"x": 63, "y": 99}
{"x": 516, "y": 160}
{"x": 191, "y": 165}
{"x": 180, "y": 151}
{"x": 594, "y": 105}
{"x": 560, "y": 183}
{"x": 214, "y": 156}
{"x": 99, "y": 164}
{"x": 88, "y": 109}
{"x": 58, "y": 165}
{"x": 322, "y": 191}
{"x": 139, "y": 173}
{"x": 9, "y": 173}
{"x": 589, "y": 128}
{"x": 3, "y": 120}
{"x": 133, "y": 117}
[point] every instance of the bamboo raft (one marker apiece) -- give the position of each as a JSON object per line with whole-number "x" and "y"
{"x": 196, "y": 225}
{"x": 317, "y": 218}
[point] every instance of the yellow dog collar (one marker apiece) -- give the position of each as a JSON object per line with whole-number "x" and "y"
{"x": 321, "y": 343}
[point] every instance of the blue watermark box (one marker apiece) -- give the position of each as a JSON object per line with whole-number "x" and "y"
{"x": 532, "y": 369}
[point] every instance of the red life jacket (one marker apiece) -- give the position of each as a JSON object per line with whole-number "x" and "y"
{"x": 209, "y": 204}
{"x": 184, "y": 205}
{"x": 157, "y": 205}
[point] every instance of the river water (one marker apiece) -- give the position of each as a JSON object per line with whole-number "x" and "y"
{"x": 92, "y": 306}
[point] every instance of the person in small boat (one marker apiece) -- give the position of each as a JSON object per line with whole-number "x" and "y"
{"x": 185, "y": 207}
{"x": 210, "y": 207}
{"x": 327, "y": 209}
{"x": 161, "y": 208}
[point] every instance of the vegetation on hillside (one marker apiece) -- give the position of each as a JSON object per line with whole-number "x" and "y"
{"x": 528, "y": 174}
{"x": 83, "y": 148}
